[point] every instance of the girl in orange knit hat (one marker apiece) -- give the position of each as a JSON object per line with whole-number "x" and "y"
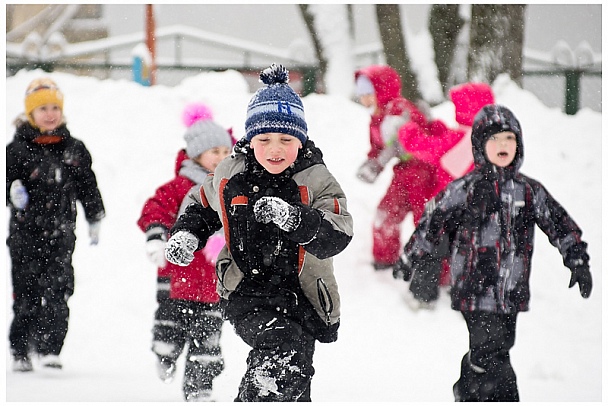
{"x": 47, "y": 172}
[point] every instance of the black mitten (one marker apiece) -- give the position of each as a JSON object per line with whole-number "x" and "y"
{"x": 425, "y": 279}
{"x": 582, "y": 275}
{"x": 402, "y": 269}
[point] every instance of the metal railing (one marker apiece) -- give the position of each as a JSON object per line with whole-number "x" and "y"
{"x": 581, "y": 86}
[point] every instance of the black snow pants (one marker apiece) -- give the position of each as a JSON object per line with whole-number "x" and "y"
{"x": 43, "y": 281}
{"x": 279, "y": 365}
{"x": 198, "y": 325}
{"x": 486, "y": 374}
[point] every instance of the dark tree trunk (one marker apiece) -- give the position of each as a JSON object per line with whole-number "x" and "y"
{"x": 309, "y": 20}
{"x": 445, "y": 24}
{"x": 393, "y": 41}
{"x": 496, "y": 43}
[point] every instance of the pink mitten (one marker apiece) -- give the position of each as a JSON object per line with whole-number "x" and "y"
{"x": 214, "y": 245}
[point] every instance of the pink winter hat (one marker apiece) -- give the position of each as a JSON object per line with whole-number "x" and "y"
{"x": 468, "y": 99}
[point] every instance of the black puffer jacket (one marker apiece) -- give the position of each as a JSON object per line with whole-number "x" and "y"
{"x": 56, "y": 176}
{"x": 263, "y": 266}
{"x": 491, "y": 214}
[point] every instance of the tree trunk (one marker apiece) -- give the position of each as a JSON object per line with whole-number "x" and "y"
{"x": 309, "y": 20}
{"x": 496, "y": 45}
{"x": 445, "y": 24}
{"x": 393, "y": 41}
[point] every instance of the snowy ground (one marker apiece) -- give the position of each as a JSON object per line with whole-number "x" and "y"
{"x": 385, "y": 352}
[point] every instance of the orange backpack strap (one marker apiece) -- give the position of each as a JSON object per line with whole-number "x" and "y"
{"x": 203, "y": 196}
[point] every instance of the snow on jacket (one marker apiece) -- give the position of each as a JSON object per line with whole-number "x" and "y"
{"x": 262, "y": 266}
{"x": 196, "y": 282}
{"x": 387, "y": 85}
{"x": 436, "y": 143}
{"x": 56, "y": 176}
{"x": 492, "y": 212}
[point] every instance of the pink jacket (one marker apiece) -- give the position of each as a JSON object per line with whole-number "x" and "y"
{"x": 448, "y": 149}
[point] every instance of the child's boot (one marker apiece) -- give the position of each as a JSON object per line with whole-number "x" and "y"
{"x": 166, "y": 369}
{"x": 51, "y": 361}
{"x": 22, "y": 363}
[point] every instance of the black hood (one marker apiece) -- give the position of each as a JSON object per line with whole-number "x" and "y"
{"x": 491, "y": 120}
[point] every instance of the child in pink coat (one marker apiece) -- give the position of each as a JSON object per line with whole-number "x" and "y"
{"x": 413, "y": 183}
{"x": 448, "y": 149}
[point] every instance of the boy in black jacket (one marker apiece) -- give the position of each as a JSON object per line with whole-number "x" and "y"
{"x": 284, "y": 216}
{"x": 47, "y": 172}
{"x": 490, "y": 215}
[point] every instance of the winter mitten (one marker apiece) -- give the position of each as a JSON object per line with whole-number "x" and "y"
{"x": 281, "y": 213}
{"x": 180, "y": 248}
{"x": 369, "y": 171}
{"x": 389, "y": 128}
{"x": 155, "y": 250}
{"x": 19, "y": 195}
{"x": 425, "y": 279}
{"x": 402, "y": 269}
{"x": 213, "y": 247}
{"x": 94, "y": 232}
{"x": 582, "y": 275}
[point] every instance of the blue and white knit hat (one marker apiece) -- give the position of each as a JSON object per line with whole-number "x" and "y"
{"x": 276, "y": 108}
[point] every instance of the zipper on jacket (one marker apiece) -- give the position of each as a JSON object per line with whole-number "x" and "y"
{"x": 327, "y": 303}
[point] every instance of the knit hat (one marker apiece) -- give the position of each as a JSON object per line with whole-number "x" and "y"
{"x": 468, "y": 99}
{"x": 275, "y": 108}
{"x": 40, "y": 92}
{"x": 364, "y": 86}
{"x": 203, "y": 133}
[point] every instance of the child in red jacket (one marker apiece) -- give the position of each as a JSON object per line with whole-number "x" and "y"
{"x": 413, "y": 183}
{"x": 188, "y": 311}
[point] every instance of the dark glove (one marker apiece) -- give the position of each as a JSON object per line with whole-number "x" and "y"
{"x": 329, "y": 334}
{"x": 582, "y": 275}
{"x": 402, "y": 269}
{"x": 369, "y": 171}
{"x": 425, "y": 278}
{"x": 273, "y": 209}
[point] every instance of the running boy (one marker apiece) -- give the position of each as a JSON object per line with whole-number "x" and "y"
{"x": 492, "y": 211}
{"x": 284, "y": 216}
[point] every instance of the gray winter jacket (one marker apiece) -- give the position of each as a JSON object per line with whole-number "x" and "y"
{"x": 490, "y": 215}
{"x": 260, "y": 261}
